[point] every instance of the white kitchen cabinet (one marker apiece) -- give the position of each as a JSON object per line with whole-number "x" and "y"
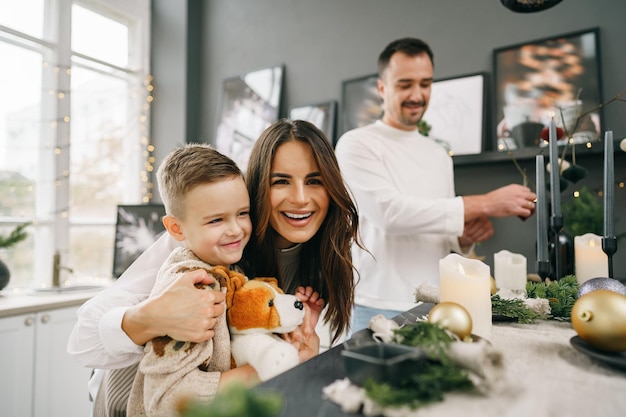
{"x": 17, "y": 347}
{"x": 39, "y": 378}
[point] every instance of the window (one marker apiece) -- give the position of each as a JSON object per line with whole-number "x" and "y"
{"x": 74, "y": 137}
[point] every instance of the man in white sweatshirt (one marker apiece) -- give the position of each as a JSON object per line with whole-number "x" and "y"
{"x": 403, "y": 184}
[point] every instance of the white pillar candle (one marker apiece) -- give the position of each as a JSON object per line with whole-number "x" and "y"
{"x": 468, "y": 283}
{"x": 589, "y": 258}
{"x": 510, "y": 270}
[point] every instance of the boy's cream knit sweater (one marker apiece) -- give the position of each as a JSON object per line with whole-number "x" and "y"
{"x": 170, "y": 370}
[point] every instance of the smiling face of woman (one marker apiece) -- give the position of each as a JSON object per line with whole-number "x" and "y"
{"x": 298, "y": 195}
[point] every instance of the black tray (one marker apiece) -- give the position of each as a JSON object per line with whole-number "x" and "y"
{"x": 615, "y": 359}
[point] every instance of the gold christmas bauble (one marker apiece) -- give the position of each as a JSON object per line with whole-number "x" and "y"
{"x": 599, "y": 318}
{"x": 494, "y": 289}
{"x": 452, "y": 316}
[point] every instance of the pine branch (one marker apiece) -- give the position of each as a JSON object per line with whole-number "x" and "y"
{"x": 561, "y": 295}
{"x": 430, "y": 385}
{"x": 429, "y": 336}
{"x": 513, "y": 308}
{"x": 17, "y": 235}
{"x": 437, "y": 376}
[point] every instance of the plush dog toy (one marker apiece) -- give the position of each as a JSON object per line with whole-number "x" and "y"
{"x": 256, "y": 310}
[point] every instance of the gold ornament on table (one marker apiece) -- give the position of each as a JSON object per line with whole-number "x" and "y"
{"x": 599, "y": 318}
{"x": 453, "y": 317}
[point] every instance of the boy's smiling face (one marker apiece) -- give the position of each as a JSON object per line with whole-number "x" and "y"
{"x": 216, "y": 225}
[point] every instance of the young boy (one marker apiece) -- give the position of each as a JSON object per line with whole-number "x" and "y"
{"x": 207, "y": 208}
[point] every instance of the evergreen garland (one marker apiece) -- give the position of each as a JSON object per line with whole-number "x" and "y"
{"x": 429, "y": 386}
{"x": 561, "y": 295}
{"x": 437, "y": 376}
{"x": 235, "y": 401}
{"x": 514, "y": 308}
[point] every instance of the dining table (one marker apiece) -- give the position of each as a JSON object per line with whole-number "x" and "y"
{"x": 548, "y": 372}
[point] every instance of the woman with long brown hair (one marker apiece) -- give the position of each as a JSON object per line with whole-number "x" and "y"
{"x": 285, "y": 200}
{"x": 304, "y": 223}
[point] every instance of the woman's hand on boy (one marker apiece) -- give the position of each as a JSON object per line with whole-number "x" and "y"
{"x": 182, "y": 312}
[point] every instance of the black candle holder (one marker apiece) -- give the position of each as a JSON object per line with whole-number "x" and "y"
{"x": 543, "y": 269}
{"x": 609, "y": 246}
{"x": 556, "y": 224}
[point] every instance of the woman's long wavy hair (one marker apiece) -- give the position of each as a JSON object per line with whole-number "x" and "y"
{"x": 325, "y": 259}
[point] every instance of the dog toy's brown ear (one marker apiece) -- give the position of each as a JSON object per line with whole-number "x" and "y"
{"x": 235, "y": 282}
{"x": 272, "y": 281}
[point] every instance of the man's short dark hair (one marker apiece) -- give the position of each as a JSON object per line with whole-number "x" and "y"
{"x": 409, "y": 46}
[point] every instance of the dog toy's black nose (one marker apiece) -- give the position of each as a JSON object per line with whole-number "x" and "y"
{"x": 298, "y": 304}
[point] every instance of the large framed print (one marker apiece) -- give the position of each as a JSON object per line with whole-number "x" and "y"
{"x": 556, "y": 77}
{"x": 322, "y": 115}
{"x": 457, "y": 113}
{"x": 249, "y": 104}
{"x": 137, "y": 227}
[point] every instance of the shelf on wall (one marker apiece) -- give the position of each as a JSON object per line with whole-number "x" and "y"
{"x": 523, "y": 154}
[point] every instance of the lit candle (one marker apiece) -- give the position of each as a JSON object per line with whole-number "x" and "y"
{"x": 555, "y": 185}
{"x": 467, "y": 282}
{"x": 542, "y": 211}
{"x": 510, "y": 270}
{"x": 589, "y": 258}
{"x": 609, "y": 179}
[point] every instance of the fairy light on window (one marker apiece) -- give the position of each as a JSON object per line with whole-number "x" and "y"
{"x": 148, "y": 148}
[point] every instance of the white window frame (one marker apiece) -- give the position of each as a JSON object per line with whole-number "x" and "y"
{"x": 51, "y": 234}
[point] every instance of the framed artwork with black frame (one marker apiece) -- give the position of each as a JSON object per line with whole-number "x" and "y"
{"x": 322, "y": 115}
{"x": 537, "y": 80}
{"x": 249, "y": 104}
{"x": 137, "y": 227}
{"x": 360, "y": 102}
{"x": 456, "y": 112}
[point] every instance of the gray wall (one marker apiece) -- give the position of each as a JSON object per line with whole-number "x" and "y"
{"x": 324, "y": 42}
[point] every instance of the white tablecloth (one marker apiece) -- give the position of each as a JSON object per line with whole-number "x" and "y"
{"x": 545, "y": 377}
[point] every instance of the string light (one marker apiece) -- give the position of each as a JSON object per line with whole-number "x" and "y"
{"x": 145, "y": 142}
{"x": 143, "y": 89}
{"x": 620, "y": 183}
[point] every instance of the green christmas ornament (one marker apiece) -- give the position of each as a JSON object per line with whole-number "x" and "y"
{"x": 574, "y": 173}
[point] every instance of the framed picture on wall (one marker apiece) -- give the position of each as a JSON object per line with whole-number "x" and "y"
{"x": 137, "y": 227}
{"x": 457, "y": 113}
{"x": 321, "y": 115}
{"x": 553, "y": 77}
{"x": 249, "y": 104}
{"x": 360, "y": 102}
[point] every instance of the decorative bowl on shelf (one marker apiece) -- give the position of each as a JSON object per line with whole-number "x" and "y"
{"x": 383, "y": 362}
{"x": 527, "y": 134}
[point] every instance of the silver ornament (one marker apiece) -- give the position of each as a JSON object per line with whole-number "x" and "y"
{"x": 601, "y": 283}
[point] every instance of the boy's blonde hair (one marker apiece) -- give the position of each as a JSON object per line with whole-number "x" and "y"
{"x": 187, "y": 167}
